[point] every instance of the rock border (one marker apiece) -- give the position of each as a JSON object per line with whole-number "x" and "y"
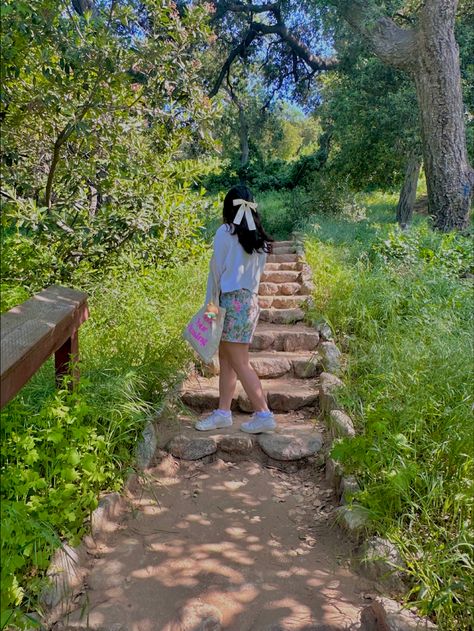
{"x": 378, "y": 559}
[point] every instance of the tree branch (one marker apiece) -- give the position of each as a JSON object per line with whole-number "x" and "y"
{"x": 315, "y": 62}
{"x": 237, "y": 51}
{"x": 394, "y": 45}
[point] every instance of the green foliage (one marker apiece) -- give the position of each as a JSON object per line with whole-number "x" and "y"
{"x": 404, "y": 315}
{"x": 59, "y": 451}
{"x": 278, "y": 136}
{"x": 94, "y": 122}
{"x": 451, "y": 254}
{"x": 372, "y": 113}
{"x": 278, "y": 213}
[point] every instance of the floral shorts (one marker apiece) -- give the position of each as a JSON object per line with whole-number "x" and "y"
{"x": 242, "y": 311}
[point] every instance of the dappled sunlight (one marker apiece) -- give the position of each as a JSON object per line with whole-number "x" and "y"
{"x": 292, "y": 611}
{"x": 211, "y": 544}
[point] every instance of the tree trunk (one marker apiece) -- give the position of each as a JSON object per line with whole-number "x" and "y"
{"x": 437, "y": 76}
{"x": 430, "y": 55}
{"x": 407, "y": 198}
{"x": 244, "y": 138}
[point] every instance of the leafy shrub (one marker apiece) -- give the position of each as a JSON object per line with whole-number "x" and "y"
{"x": 326, "y": 193}
{"x": 259, "y": 175}
{"x": 451, "y": 253}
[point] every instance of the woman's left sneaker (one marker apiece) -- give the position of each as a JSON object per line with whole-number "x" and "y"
{"x": 216, "y": 420}
{"x": 259, "y": 423}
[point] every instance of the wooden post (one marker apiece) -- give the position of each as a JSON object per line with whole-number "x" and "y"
{"x": 66, "y": 358}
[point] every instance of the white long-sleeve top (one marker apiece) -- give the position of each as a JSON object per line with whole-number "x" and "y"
{"x": 231, "y": 267}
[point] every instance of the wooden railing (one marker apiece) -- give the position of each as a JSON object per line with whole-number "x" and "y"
{"x": 45, "y": 324}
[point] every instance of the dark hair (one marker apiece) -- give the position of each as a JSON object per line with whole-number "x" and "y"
{"x": 251, "y": 240}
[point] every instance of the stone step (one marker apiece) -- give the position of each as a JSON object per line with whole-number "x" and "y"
{"x": 293, "y": 440}
{"x": 280, "y": 337}
{"x": 284, "y": 249}
{"x": 272, "y": 364}
{"x": 281, "y": 302}
{"x": 284, "y": 289}
{"x": 275, "y": 364}
{"x": 283, "y": 394}
{"x": 276, "y": 276}
{"x": 282, "y": 244}
{"x": 282, "y": 316}
{"x": 283, "y": 266}
{"x": 283, "y": 258}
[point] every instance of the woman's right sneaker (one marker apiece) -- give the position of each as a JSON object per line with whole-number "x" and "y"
{"x": 259, "y": 423}
{"x": 216, "y": 420}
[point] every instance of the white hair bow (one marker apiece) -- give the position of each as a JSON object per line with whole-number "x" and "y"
{"x": 245, "y": 207}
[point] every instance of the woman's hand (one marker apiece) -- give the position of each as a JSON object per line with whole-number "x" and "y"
{"x": 211, "y": 311}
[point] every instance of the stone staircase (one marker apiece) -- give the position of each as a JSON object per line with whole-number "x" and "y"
{"x": 284, "y": 354}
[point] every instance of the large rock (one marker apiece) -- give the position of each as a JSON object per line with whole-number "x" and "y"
{"x": 278, "y": 337}
{"x": 296, "y": 340}
{"x": 288, "y": 447}
{"x": 353, "y": 519}
{"x": 379, "y": 560}
{"x": 104, "y": 517}
{"x": 329, "y": 384}
{"x": 66, "y": 574}
{"x": 348, "y": 487}
{"x": 270, "y": 366}
{"x": 203, "y": 394}
{"x": 288, "y": 302}
{"x": 306, "y": 288}
{"x": 270, "y": 289}
{"x": 187, "y": 448}
{"x": 340, "y": 424}
{"x": 385, "y": 614}
{"x": 324, "y": 330}
{"x": 236, "y": 444}
{"x": 331, "y": 357}
{"x": 289, "y": 289}
{"x": 284, "y": 395}
{"x": 333, "y": 473}
{"x": 305, "y": 368}
{"x": 146, "y": 446}
{"x": 265, "y": 302}
{"x": 306, "y": 273}
{"x": 280, "y": 276}
{"x": 262, "y": 340}
{"x": 282, "y": 316}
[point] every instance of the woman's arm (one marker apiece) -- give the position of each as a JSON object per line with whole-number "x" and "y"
{"x": 217, "y": 265}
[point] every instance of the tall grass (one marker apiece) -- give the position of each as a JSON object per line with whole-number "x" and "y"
{"x": 59, "y": 450}
{"x": 402, "y": 309}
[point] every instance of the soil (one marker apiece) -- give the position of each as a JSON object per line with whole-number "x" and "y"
{"x": 257, "y": 546}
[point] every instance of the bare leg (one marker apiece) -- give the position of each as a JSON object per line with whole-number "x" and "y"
{"x": 238, "y": 357}
{"x": 227, "y": 380}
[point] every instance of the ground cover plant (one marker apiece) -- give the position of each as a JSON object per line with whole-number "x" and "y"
{"x": 60, "y": 451}
{"x": 401, "y": 305}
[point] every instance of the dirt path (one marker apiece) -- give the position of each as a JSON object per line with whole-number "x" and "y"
{"x": 229, "y": 531}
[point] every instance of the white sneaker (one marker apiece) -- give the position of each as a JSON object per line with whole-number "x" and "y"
{"x": 258, "y": 424}
{"x": 216, "y": 420}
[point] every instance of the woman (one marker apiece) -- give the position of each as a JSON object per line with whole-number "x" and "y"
{"x": 240, "y": 251}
